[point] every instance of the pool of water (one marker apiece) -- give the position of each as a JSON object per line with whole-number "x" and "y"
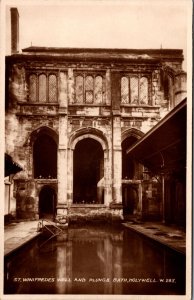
{"x": 95, "y": 260}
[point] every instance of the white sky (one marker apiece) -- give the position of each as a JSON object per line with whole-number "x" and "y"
{"x": 102, "y": 24}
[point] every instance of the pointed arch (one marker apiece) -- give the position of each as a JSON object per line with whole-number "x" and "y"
{"x": 41, "y": 130}
{"x": 88, "y": 132}
{"x": 131, "y": 132}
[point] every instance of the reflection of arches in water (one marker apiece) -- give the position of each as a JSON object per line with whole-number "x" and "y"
{"x": 130, "y": 199}
{"x": 88, "y": 172}
{"x": 47, "y": 202}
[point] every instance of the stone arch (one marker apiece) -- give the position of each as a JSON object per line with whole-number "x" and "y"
{"x": 41, "y": 130}
{"x": 44, "y": 156}
{"x": 49, "y": 185}
{"x": 88, "y": 172}
{"x": 47, "y": 201}
{"x": 131, "y": 172}
{"x": 131, "y": 132}
{"x": 88, "y": 133}
{"x": 98, "y": 136}
{"x": 30, "y": 141}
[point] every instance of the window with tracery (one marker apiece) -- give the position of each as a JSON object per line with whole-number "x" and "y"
{"x": 98, "y": 92}
{"x": 134, "y": 90}
{"x": 32, "y": 88}
{"x": 52, "y": 88}
{"x": 79, "y": 89}
{"x": 42, "y": 88}
{"x": 124, "y": 90}
{"x": 88, "y": 89}
{"x": 143, "y": 90}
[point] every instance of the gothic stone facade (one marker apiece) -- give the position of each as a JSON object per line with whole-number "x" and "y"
{"x": 71, "y": 115}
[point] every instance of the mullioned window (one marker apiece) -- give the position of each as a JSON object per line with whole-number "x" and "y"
{"x": 134, "y": 90}
{"x": 89, "y": 89}
{"x": 42, "y": 88}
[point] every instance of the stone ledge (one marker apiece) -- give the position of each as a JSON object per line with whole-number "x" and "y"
{"x": 116, "y": 206}
{"x": 88, "y": 205}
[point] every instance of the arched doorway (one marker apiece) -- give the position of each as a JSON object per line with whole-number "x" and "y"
{"x": 131, "y": 173}
{"x": 47, "y": 203}
{"x": 45, "y": 157}
{"x": 88, "y": 172}
{"x": 129, "y": 167}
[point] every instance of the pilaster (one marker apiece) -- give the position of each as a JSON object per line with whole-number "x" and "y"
{"x": 62, "y": 147}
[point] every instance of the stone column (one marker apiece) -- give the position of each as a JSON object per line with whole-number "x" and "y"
{"x": 70, "y": 177}
{"x": 117, "y": 160}
{"x": 108, "y": 152}
{"x": 108, "y": 88}
{"x": 62, "y": 147}
{"x": 71, "y": 89}
{"x": 107, "y": 178}
{"x": 116, "y": 205}
{"x": 71, "y": 96}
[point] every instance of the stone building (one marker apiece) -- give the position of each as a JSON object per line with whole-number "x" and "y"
{"x": 71, "y": 115}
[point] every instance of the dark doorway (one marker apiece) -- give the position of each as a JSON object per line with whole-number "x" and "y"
{"x": 88, "y": 172}
{"x": 45, "y": 157}
{"x": 47, "y": 203}
{"x": 130, "y": 199}
{"x": 128, "y": 165}
{"x": 131, "y": 171}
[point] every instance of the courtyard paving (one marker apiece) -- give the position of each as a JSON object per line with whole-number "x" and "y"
{"x": 17, "y": 234}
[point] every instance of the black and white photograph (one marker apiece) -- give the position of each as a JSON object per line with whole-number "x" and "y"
{"x": 96, "y": 118}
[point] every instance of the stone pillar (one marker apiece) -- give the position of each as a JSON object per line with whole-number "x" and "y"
{"x": 116, "y": 205}
{"x": 117, "y": 160}
{"x": 70, "y": 177}
{"x": 71, "y": 96}
{"x": 71, "y": 89}
{"x": 62, "y": 176}
{"x": 62, "y": 147}
{"x": 171, "y": 92}
{"x": 108, "y": 88}
{"x": 107, "y": 178}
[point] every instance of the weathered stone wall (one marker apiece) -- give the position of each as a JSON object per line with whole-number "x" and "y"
{"x": 107, "y": 122}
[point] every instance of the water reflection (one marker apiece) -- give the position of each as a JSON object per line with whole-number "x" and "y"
{"x": 95, "y": 260}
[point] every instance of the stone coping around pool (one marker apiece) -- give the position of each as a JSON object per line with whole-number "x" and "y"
{"x": 18, "y": 234}
{"x": 16, "y": 243}
{"x": 166, "y": 235}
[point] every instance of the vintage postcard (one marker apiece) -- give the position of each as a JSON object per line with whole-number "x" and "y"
{"x": 96, "y": 110}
